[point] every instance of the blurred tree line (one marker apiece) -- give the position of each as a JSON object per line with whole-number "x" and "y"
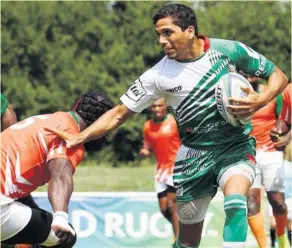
{"x": 54, "y": 51}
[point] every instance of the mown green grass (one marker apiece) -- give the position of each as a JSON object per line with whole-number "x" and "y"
{"x": 89, "y": 177}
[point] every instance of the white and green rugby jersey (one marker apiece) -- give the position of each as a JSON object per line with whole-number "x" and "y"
{"x": 189, "y": 89}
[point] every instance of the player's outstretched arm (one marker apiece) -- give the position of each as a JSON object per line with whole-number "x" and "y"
{"x": 101, "y": 127}
{"x": 107, "y": 123}
{"x": 8, "y": 118}
{"x": 61, "y": 183}
{"x": 60, "y": 191}
{"x": 276, "y": 84}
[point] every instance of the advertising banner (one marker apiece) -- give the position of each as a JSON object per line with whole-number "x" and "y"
{"x": 125, "y": 220}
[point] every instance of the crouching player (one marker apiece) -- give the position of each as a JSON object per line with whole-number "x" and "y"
{"x": 31, "y": 157}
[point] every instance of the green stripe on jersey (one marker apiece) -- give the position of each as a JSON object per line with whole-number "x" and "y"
{"x": 4, "y": 104}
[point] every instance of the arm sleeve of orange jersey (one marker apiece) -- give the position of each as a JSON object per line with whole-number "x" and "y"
{"x": 58, "y": 149}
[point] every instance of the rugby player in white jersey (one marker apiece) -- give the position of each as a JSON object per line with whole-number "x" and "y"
{"x": 213, "y": 153}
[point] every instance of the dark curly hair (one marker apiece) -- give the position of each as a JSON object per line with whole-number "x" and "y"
{"x": 183, "y": 16}
{"x": 91, "y": 105}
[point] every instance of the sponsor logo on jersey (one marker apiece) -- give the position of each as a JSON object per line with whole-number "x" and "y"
{"x": 209, "y": 127}
{"x": 262, "y": 66}
{"x": 136, "y": 91}
{"x": 175, "y": 89}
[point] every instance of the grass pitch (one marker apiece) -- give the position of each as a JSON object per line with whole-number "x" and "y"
{"x": 90, "y": 178}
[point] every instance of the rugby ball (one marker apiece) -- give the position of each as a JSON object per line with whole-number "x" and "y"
{"x": 229, "y": 85}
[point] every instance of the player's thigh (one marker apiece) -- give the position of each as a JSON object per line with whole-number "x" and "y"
{"x": 235, "y": 167}
{"x": 163, "y": 202}
{"x": 14, "y": 218}
{"x": 28, "y": 201}
{"x": 171, "y": 199}
{"x": 161, "y": 191}
{"x": 171, "y": 190}
{"x": 171, "y": 194}
{"x": 36, "y": 231}
{"x": 273, "y": 173}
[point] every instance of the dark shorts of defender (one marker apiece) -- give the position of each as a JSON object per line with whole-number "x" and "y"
{"x": 37, "y": 229}
{"x": 198, "y": 171}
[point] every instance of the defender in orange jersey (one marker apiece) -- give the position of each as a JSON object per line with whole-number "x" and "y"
{"x": 31, "y": 157}
{"x": 161, "y": 136}
{"x": 269, "y": 171}
{"x": 281, "y": 133}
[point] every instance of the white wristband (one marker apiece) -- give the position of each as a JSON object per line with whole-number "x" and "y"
{"x": 61, "y": 219}
{"x": 61, "y": 214}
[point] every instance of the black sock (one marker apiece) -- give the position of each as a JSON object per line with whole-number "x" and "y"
{"x": 289, "y": 235}
{"x": 272, "y": 236}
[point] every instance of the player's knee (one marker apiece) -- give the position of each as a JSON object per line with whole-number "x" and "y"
{"x": 237, "y": 179}
{"x": 278, "y": 206}
{"x": 253, "y": 206}
{"x": 165, "y": 212}
{"x": 172, "y": 206}
{"x": 194, "y": 211}
{"x": 163, "y": 209}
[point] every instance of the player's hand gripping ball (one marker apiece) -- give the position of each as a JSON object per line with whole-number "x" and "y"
{"x": 232, "y": 86}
